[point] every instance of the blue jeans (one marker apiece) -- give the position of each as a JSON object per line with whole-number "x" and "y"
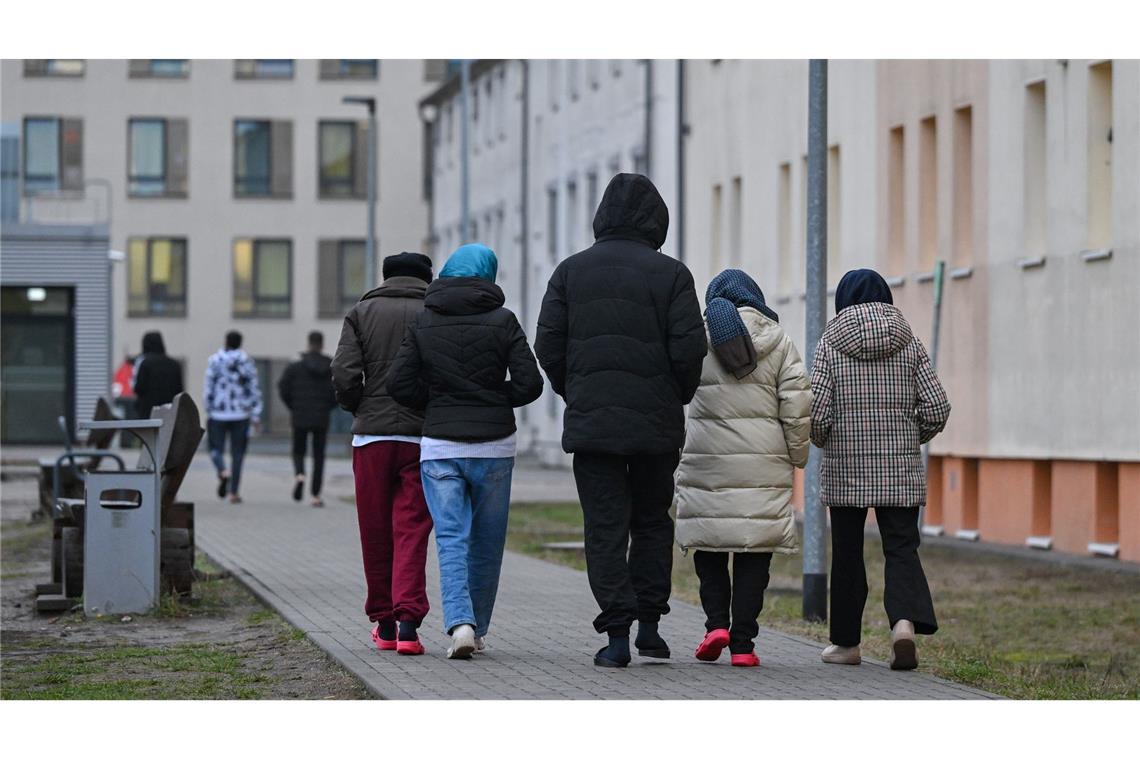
{"x": 468, "y": 500}
{"x": 238, "y": 432}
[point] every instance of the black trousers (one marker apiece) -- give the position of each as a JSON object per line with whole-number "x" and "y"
{"x": 629, "y": 535}
{"x": 906, "y": 595}
{"x": 742, "y": 595}
{"x": 300, "y": 440}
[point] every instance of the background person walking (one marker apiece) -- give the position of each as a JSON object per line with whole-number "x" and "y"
{"x": 876, "y": 401}
{"x": 454, "y": 363}
{"x": 233, "y": 403}
{"x": 620, "y": 337}
{"x": 748, "y": 429}
{"x": 157, "y": 377}
{"x": 306, "y": 389}
{"x": 390, "y": 507}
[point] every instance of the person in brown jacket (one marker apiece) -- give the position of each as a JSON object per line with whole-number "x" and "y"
{"x": 390, "y": 506}
{"x": 876, "y": 400}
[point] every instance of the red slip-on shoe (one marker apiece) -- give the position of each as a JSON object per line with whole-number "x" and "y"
{"x": 384, "y": 645}
{"x": 749, "y": 660}
{"x": 409, "y": 647}
{"x": 715, "y": 640}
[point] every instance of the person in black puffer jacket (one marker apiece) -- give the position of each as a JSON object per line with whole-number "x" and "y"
{"x": 306, "y": 389}
{"x": 453, "y": 363}
{"x": 158, "y": 378}
{"x": 622, "y": 340}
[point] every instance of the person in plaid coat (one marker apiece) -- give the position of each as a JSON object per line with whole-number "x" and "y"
{"x": 876, "y": 400}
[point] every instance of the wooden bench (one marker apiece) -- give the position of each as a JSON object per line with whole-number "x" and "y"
{"x": 71, "y": 479}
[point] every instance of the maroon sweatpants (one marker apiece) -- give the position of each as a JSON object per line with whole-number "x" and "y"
{"x": 394, "y": 529}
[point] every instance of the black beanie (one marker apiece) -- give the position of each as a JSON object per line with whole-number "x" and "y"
{"x": 408, "y": 265}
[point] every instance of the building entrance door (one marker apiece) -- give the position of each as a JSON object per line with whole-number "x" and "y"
{"x": 37, "y": 371}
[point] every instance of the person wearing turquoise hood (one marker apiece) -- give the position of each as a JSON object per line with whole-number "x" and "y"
{"x": 454, "y": 364}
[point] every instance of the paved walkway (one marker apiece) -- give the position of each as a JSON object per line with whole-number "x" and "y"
{"x": 306, "y": 563}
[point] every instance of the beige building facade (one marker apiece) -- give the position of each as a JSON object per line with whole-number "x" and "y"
{"x": 237, "y": 190}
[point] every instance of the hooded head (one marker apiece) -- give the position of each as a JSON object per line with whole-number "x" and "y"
{"x": 631, "y": 207}
{"x": 407, "y": 265}
{"x": 472, "y": 260}
{"x": 152, "y": 343}
{"x": 731, "y": 342}
{"x": 862, "y": 286}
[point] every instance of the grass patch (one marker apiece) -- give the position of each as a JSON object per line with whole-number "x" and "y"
{"x": 1021, "y": 628}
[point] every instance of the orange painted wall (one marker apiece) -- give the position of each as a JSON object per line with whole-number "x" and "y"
{"x": 1128, "y": 481}
{"x": 1013, "y": 500}
{"x": 933, "y": 492}
{"x": 1085, "y": 499}
{"x": 959, "y": 494}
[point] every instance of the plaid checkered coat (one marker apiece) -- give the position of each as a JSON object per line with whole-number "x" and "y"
{"x": 876, "y": 400}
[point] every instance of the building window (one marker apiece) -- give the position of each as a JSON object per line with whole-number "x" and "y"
{"x": 927, "y": 193}
{"x": 553, "y": 72}
{"x": 573, "y": 71}
{"x": 157, "y": 159}
{"x": 55, "y": 67}
{"x": 263, "y": 278}
{"x": 784, "y": 226}
{"x": 736, "y": 223}
{"x": 1100, "y": 156}
{"x": 834, "y": 214}
{"x": 349, "y": 68}
{"x": 263, "y": 157}
{"x": 343, "y": 152}
{"x": 1036, "y": 177}
{"x": 158, "y": 68}
{"x": 53, "y": 154}
{"x": 156, "y": 274}
{"x": 716, "y": 217}
{"x": 593, "y": 72}
{"x": 435, "y": 69}
{"x": 963, "y": 228}
{"x": 340, "y": 276}
{"x": 592, "y": 201}
{"x": 896, "y": 203}
{"x": 615, "y": 67}
{"x": 263, "y": 68}
{"x": 552, "y": 224}
{"x": 571, "y": 215}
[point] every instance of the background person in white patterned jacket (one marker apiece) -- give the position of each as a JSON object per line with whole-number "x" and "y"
{"x": 233, "y": 403}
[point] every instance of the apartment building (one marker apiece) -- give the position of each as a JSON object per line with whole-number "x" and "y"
{"x": 235, "y": 189}
{"x": 545, "y": 137}
{"x": 1022, "y": 177}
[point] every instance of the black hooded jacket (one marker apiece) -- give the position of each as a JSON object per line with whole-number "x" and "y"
{"x": 620, "y": 333}
{"x": 454, "y": 360}
{"x": 158, "y": 378}
{"x": 307, "y": 390}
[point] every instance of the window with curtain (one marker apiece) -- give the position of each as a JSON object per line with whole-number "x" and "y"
{"x": 55, "y": 67}
{"x": 158, "y": 68}
{"x": 337, "y": 159}
{"x": 146, "y": 174}
{"x": 263, "y": 68}
{"x": 263, "y": 282}
{"x": 340, "y": 276}
{"x": 41, "y": 155}
{"x": 349, "y": 68}
{"x": 156, "y": 276}
{"x": 252, "y": 163}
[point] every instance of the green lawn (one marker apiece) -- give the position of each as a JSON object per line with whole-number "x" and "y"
{"x": 1017, "y": 627}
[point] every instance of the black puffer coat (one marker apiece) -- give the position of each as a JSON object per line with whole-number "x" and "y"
{"x": 620, "y": 334}
{"x": 454, "y": 362}
{"x": 158, "y": 378}
{"x": 307, "y": 390}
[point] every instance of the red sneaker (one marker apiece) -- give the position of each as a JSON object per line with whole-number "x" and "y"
{"x": 715, "y": 640}
{"x": 384, "y": 645}
{"x": 749, "y": 660}
{"x": 409, "y": 647}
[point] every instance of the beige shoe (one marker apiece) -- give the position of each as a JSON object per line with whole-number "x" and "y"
{"x": 462, "y": 643}
{"x": 904, "y": 655}
{"x": 480, "y": 644}
{"x": 837, "y": 655}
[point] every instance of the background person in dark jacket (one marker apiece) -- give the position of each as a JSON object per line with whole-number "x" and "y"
{"x": 390, "y": 507}
{"x": 621, "y": 338}
{"x": 454, "y": 363}
{"x": 306, "y": 388}
{"x": 158, "y": 378}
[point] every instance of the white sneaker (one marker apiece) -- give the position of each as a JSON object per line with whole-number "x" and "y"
{"x": 480, "y": 644}
{"x": 904, "y": 654}
{"x": 462, "y": 643}
{"x": 837, "y": 655}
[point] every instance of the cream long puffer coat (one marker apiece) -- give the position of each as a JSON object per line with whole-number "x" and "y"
{"x": 742, "y": 441}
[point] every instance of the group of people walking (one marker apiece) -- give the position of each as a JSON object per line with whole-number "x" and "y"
{"x": 432, "y": 370}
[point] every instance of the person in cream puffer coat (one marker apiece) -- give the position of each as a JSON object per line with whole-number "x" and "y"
{"x": 748, "y": 428}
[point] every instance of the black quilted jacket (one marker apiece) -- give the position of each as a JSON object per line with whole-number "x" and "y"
{"x": 620, "y": 334}
{"x": 454, "y": 360}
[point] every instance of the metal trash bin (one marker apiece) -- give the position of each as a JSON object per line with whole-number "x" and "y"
{"x": 122, "y": 536}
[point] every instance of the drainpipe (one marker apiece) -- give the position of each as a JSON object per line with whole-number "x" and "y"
{"x": 524, "y": 198}
{"x": 682, "y": 132}
{"x": 649, "y": 117}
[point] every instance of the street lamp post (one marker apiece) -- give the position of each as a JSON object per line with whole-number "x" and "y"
{"x": 815, "y": 520}
{"x": 370, "y": 246}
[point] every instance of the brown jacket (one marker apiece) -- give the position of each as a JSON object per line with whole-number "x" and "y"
{"x": 369, "y": 341}
{"x": 876, "y": 401}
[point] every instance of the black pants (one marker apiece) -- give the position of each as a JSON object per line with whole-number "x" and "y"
{"x": 300, "y": 439}
{"x": 238, "y": 432}
{"x": 743, "y": 595}
{"x": 906, "y": 594}
{"x": 629, "y": 535}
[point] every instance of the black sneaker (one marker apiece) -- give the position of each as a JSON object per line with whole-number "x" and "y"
{"x": 298, "y": 489}
{"x": 223, "y": 484}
